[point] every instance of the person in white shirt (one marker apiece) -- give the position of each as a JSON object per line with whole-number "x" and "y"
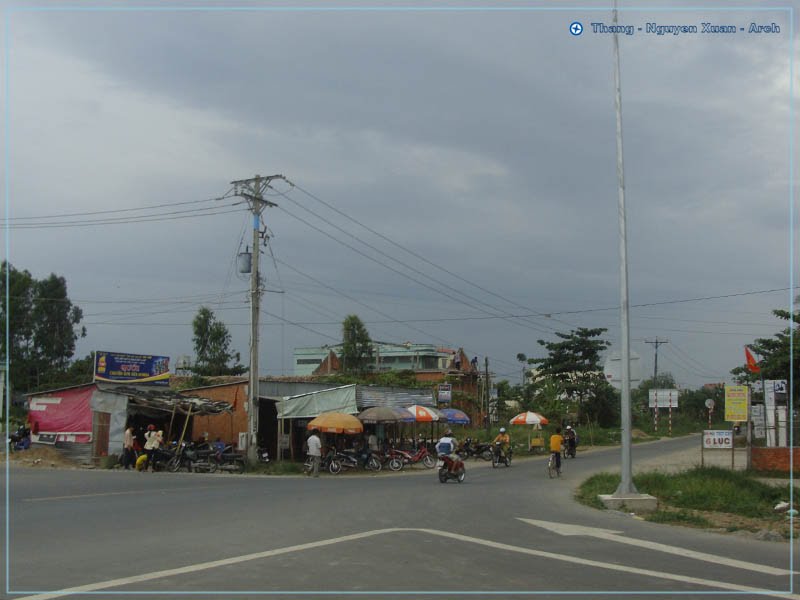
{"x": 315, "y": 451}
{"x": 447, "y": 445}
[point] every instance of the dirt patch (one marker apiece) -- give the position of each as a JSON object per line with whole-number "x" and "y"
{"x": 40, "y": 457}
{"x": 721, "y": 522}
{"x": 638, "y": 434}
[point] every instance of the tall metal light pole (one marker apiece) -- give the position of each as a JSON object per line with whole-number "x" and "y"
{"x": 253, "y": 190}
{"x": 626, "y": 486}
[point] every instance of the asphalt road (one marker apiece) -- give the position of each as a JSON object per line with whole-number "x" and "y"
{"x": 222, "y": 535}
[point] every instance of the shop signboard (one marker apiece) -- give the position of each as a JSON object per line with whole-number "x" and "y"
{"x": 445, "y": 393}
{"x": 720, "y": 439}
{"x": 736, "y": 402}
{"x": 138, "y": 369}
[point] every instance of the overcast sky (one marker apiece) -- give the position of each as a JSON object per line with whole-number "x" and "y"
{"x": 479, "y": 143}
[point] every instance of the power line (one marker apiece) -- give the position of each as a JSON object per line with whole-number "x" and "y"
{"x": 419, "y": 256}
{"x": 119, "y": 210}
{"x": 399, "y": 272}
{"x": 588, "y": 310}
{"x": 144, "y": 219}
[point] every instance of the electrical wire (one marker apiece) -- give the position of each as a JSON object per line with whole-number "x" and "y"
{"x": 534, "y": 325}
{"x": 419, "y": 256}
{"x": 144, "y": 219}
{"x": 119, "y": 210}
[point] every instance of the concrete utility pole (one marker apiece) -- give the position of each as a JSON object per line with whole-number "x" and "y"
{"x": 487, "y": 391}
{"x": 657, "y": 342}
{"x": 253, "y": 190}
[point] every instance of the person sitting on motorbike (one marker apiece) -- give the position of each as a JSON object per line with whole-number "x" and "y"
{"x": 571, "y": 439}
{"x": 505, "y": 441}
{"x": 447, "y": 447}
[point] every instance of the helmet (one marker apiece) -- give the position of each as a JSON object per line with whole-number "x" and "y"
{"x": 502, "y": 430}
{"x": 151, "y": 427}
{"x": 569, "y": 427}
{"x": 449, "y": 432}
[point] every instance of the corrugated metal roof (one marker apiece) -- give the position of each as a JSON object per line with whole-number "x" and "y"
{"x": 367, "y": 396}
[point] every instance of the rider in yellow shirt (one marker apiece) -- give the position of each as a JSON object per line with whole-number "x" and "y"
{"x": 504, "y": 439}
{"x": 556, "y": 441}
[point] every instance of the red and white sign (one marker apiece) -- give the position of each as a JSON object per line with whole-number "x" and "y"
{"x": 67, "y": 413}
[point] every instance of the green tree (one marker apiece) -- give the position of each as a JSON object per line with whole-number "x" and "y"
{"x": 212, "y": 342}
{"x": 356, "y": 345}
{"x": 773, "y": 354}
{"x": 574, "y": 365}
{"x": 43, "y": 328}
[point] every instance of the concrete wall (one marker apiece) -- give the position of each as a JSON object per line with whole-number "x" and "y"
{"x": 775, "y": 459}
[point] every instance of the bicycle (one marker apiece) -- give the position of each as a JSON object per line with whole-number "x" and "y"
{"x": 552, "y": 471}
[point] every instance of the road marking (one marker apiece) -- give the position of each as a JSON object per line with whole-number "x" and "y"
{"x": 100, "y": 494}
{"x": 583, "y": 562}
{"x": 608, "y": 534}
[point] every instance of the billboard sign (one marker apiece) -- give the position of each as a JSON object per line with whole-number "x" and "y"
{"x": 736, "y": 402}
{"x": 663, "y": 398}
{"x": 139, "y": 369}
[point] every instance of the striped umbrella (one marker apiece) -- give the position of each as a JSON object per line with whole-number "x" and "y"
{"x": 529, "y": 418}
{"x": 453, "y": 415}
{"x": 424, "y": 414}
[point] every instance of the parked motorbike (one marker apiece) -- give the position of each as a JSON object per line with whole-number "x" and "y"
{"x": 392, "y": 459}
{"x": 422, "y": 455}
{"x": 452, "y": 468}
{"x": 17, "y": 438}
{"x": 263, "y": 455}
{"x": 194, "y": 457}
{"x": 477, "y": 449}
{"x": 328, "y": 462}
{"x": 498, "y": 456}
{"x": 230, "y": 461}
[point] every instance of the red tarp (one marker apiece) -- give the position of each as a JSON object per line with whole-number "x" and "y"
{"x": 66, "y": 412}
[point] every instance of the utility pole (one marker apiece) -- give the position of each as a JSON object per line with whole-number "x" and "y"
{"x": 486, "y": 390}
{"x": 253, "y": 190}
{"x": 656, "y": 342}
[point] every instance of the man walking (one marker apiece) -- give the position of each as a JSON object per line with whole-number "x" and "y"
{"x": 128, "y": 456}
{"x": 314, "y": 451}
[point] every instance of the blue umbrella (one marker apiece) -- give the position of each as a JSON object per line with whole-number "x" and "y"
{"x": 453, "y": 415}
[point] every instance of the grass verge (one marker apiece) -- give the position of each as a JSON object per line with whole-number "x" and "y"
{"x": 693, "y": 497}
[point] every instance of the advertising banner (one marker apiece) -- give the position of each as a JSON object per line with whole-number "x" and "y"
{"x": 736, "y": 402}
{"x": 138, "y": 369}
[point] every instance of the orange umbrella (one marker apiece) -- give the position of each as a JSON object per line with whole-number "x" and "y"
{"x": 334, "y": 422}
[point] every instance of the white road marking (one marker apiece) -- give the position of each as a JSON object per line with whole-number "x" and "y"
{"x": 101, "y": 585}
{"x": 613, "y": 536}
{"x": 100, "y": 494}
{"x": 583, "y": 562}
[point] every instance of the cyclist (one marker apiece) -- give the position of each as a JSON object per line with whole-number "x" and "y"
{"x": 505, "y": 441}
{"x": 556, "y": 441}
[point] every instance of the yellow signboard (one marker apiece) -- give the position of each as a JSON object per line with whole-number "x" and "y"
{"x": 736, "y": 402}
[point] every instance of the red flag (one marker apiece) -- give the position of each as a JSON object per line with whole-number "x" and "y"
{"x": 751, "y": 362}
